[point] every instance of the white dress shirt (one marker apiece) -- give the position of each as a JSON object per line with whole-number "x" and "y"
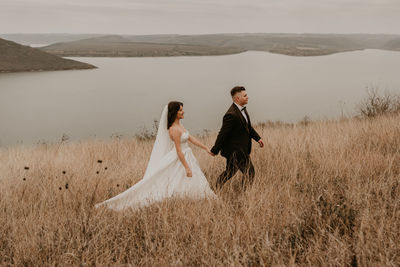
{"x": 243, "y": 113}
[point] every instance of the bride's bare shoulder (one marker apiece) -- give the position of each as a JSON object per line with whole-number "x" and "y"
{"x": 174, "y": 132}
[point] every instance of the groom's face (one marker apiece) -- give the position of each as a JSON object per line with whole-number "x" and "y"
{"x": 242, "y": 98}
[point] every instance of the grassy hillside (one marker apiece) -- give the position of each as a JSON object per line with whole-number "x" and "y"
{"x": 325, "y": 193}
{"x": 15, "y": 57}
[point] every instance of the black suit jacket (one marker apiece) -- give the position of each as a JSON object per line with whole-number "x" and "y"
{"x": 235, "y": 134}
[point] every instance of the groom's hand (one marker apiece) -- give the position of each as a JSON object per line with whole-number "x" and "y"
{"x": 209, "y": 152}
{"x": 261, "y": 143}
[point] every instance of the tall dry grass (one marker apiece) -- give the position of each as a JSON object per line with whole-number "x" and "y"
{"x": 325, "y": 193}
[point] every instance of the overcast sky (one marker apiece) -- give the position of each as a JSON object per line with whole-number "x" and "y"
{"x": 199, "y": 16}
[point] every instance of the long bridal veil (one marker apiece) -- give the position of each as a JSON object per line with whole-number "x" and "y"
{"x": 162, "y": 145}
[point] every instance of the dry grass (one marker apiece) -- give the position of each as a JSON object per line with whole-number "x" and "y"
{"x": 326, "y": 193}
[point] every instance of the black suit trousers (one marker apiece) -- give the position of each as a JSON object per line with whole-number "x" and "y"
{"x": 237, "y": 161}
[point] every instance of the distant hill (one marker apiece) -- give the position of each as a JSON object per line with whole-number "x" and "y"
{"x": 217, "y": 44}
{"x": 374, "y": 41}
{"x": 119, "y": 46}
{"x": 393, "y": 45}
{"x": 15, "y": 57}
{"x": 283, "y": 43}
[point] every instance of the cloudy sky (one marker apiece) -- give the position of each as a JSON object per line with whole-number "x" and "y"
{"x": 199, "y": 16}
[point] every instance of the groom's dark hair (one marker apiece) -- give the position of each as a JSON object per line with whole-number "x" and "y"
{"x": 173, "y": 108}
{"x": 237, "y": 89}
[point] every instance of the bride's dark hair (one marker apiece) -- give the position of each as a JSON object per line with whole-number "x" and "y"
{"x": 173, "y": 108}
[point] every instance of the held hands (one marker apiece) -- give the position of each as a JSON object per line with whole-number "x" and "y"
{"x": 261, "y": 143}
{"x": 209, "y": 152}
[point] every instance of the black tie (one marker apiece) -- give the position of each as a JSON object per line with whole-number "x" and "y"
{"x": 247, "y": 114}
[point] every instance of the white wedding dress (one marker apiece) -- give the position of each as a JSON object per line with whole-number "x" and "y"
{"x": 165, "y": 175}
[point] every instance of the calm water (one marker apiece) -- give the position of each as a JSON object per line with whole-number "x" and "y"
{"x": 125, "y": 95}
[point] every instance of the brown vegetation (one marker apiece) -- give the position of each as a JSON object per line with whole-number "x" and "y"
{"x": 326, "y": 193}
{"x": 377, "y": 103}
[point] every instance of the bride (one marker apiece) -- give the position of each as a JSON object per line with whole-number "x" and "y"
{"x": 172, "y": 169}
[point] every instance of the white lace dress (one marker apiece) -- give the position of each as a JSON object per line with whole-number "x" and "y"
{"x": 167, "y": 180}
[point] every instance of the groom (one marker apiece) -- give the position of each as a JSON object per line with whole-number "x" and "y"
{"x": 234, "y": 139}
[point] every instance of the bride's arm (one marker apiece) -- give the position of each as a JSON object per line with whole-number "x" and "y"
{"x": 196, "y": 142}
{"x": 176, "y": 137}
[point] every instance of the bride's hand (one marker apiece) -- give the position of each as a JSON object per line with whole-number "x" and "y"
{"x": 188, "y": 172}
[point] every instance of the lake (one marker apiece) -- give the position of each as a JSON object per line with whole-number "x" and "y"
{"x": 125, "y": 95}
